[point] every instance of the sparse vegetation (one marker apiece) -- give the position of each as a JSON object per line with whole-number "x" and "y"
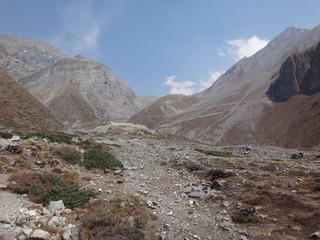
{"x": 59, "y": 137}
{"x": 72, "y": 158}
{"x": 5, "y": 135}
{"x": 125, "y": 218}
{"x": 96, "y": 158}
{"x": 46, "y": 187}
{"x": 216, "y": 153}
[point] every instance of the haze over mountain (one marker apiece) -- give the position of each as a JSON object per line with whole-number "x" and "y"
{"x": 236, "y": 108}
{"x": 78, "y": 91}
{"x": 19, "y": 109}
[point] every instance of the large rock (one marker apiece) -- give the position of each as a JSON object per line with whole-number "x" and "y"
{"x": 299, "y": 74}
{"x": 40, "y": 235}
{"x": 56, "y": 207}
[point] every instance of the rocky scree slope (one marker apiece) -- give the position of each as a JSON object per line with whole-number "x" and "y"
{"x": 82, "y": 92}
{"x": 231, "y": 110}
{"x": 19, "y": 109}
{"x": 21, "y": 57}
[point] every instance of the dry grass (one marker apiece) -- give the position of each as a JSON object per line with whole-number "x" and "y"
{"x": 125, "y": 218}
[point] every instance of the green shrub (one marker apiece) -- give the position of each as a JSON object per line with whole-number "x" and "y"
{"x": 72, "y": 158}
{"x": 5, "y": 135}
{"x": 43, "y": 188}
{"x": 59, "y": 137}
{"x": 216, "y": 153}
{"x": 96, "y": 158}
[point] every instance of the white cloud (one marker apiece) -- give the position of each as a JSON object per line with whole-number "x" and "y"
{"x": 190, "y": 87}
{"x": 81, "y": 30}
{"x": 204, "y": 84}
{"x": 185, "y": 87}
{"x": 239, "y": 48}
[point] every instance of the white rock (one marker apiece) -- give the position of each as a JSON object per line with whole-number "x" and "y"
{"x": 32, "y": 213}
{"x": 40, "y": 234}
{"x": 56, "y": 206}
{"x": 15, "y": 138}
{"x": 27, "y": 231}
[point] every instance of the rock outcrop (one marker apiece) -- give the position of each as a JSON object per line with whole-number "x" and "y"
{"x": 82, "y": 92}
{"x": 299, "y": 74}
{"x": 19, "y": 109}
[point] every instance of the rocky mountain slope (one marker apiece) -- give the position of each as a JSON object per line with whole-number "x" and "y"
{"x": 233, "y": 109}
{"x": 82, "y": 92}
{"x": 21, "y": 57}
{"x": 19, "y": 109}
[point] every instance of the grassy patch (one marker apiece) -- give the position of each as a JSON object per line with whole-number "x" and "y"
{"x": 5, "y": 135}
{"x": 46, "y": 187}
{"x": 96, "y": 158}
{"x": 216, "y": 153}
{"x": 125, "y": 218}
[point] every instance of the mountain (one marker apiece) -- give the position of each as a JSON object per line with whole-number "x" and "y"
{"x": 22, "y": 57}
{"x": 82, "y": 92}
{"x": 236, "y": 108}
{"x": 78, "y": 91}
{"x": 20, "y": 110}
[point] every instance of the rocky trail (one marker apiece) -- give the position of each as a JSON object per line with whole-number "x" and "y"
{"x": 254, "y": 193}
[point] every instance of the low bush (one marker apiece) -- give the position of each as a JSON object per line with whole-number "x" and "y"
{"x": 215, "y": 153}
{"x": 96, "y": 158}
{"x": 69, "y": 154}
{"x": 72, "y": 158}
{"x": 46, "y": 187}
{"x": 5, "y": 135}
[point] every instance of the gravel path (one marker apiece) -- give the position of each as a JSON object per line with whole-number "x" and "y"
{"x": 151, "y": 177}
{"x": 10, "y": 205}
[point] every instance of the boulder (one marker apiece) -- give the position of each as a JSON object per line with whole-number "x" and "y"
{"x": 56, "y": 207}
{"x": 40, "y": 235}
{"x": 218, "y": 184}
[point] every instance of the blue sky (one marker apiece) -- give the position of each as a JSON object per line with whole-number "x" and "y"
{"x": 158, "y": 46}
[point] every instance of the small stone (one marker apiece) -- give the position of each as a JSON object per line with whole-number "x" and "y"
{"x": 218, "y": 184}
{"x": 15, "y": 138}
{"x": 315, "y": 235}
{"x": 226, "y": 203}
{"x": 167, "y": 226}
{"x": 197, "y": 194}
{"x": 117, "y": 172}
{"x": 40, "y": 234}
{"x": 32, "y": 213}
{"x": 27, "y": 231}
{"x": 5, "y": 219}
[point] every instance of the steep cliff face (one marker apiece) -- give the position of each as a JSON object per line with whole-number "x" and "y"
{"x": 299, "y": 74}
{"x": 82, "y": 92}
{"x": 22, "y": 57}
{"x": 20, "y": 110}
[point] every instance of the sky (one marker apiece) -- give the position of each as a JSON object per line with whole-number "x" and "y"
{"x": 158, "y": 46}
